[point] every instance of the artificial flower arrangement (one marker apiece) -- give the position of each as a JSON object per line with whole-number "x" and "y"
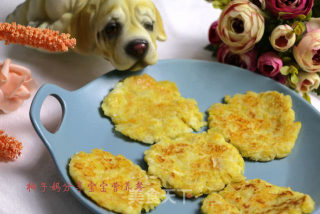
{"x": 10, "y": 148}
{"x": 16, "y": 82}
{"x": 276, "y": 38}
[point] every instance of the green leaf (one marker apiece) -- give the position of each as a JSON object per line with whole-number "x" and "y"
{"x": 220, "y": 4}
{"x": 306, "y": 97}
{"x": 286, "y": 59}
{"x": 302, "y": 17}
{"x": 213, "y": 49}
{"x": 209, "y": 47}
{"x": 299, "y": 28}
{"x": 283, "y": 13}
{"x": 309, "y": 16}
{"x": 217, "y": 5}
{"x": 284, "y": 70}
{"x": 293, "y": 70}
{"x": 294, "y": 79}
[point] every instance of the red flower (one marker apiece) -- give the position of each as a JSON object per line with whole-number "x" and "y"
{"x": 247, "y": 60}
{"x": 213, "y": 35}
{"x": 280, "y": 78}
{"x": 269, "y": 64}
{"x": 289, "y": 9}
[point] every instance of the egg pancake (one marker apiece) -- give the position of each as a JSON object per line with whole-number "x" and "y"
{"x": 215, "y": 204}
{"x": 195, "y": 164}
{"x": 115, "y": 183}
{"x": 146, "y": 110}
{"x": 261, "y": 125}
{"x": 260, "y": 197}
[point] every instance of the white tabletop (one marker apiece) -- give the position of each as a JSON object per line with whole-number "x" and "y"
{"x": 186, "y": 24}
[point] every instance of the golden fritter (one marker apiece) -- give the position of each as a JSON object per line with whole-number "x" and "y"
{"x": 261, "y": 125}
{"x": 195, "y": 164}
{"x": 115, "y": 183}
{"x": 260, "y": 197}
{"x": 146, "y": 110}
{"x": 215, "y": 204}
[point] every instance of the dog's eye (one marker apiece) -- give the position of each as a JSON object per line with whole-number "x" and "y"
{"x": 148, "y": 26}
{"x": 112, "y": 29}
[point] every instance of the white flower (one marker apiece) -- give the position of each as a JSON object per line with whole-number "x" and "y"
{"x": 308, "y": 81}
{"x": 241, "y": 26}
{"x": 282, "y": 38}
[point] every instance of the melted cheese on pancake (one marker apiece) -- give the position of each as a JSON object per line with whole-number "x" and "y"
{"x": 115, "y": 183}
{"x": 215, "y": 204}
{"x": 261, "y": 125}
{"x": 146, "y": 110}
{"x": 260, "y": 197}
{"x": 195, "y": 164}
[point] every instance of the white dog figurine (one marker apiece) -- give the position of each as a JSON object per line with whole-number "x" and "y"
{"x": 122, "y": 31}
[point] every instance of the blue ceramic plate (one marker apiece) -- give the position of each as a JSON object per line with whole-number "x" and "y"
{"x": 84, "y": 127}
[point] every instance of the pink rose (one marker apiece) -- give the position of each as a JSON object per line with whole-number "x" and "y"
{"x": 307, "y": 52}
{"x": 16, "y": 86}
{"x": 247, "y": 60}
{"x": 290, "y": 9}
{"x": 269, "y": 64}
{"x": 213, "y": 35}
{"x": 241, "y": 26}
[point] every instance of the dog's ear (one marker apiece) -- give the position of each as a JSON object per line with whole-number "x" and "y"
{"x": 80, "y": 24}
{"x": 161, "y": 35}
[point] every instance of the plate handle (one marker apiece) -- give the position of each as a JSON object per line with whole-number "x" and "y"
{"x": 45, "y": 91}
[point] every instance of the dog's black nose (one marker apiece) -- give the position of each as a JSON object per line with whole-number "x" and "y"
{"x": 137, "y": 48}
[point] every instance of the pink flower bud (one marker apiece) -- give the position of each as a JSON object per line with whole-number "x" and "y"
{"x": 269, "y": 64}
{"x": 247, "y": 60}
{"x": 213, "y": 35}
